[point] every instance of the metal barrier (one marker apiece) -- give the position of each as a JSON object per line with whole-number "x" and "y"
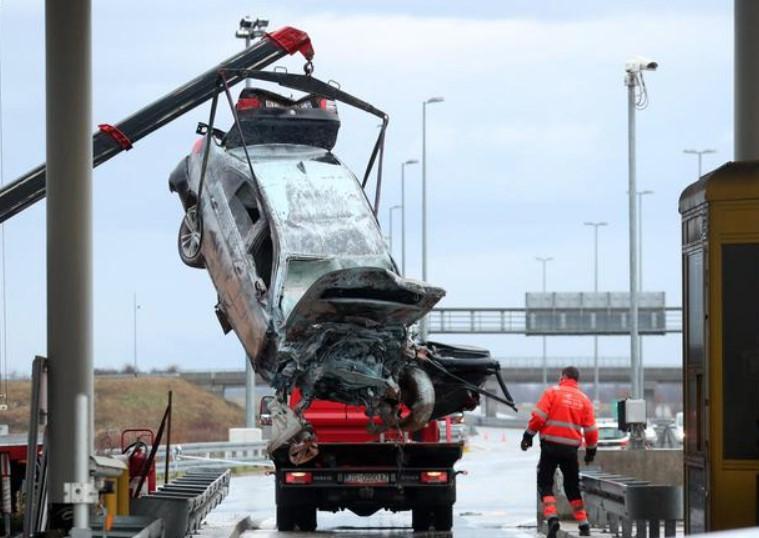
{"x": 215, "y": 455}
{"x": 619, "y": 502}
{"x": 184, "y": 503}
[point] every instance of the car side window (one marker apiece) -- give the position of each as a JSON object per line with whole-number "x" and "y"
{"x": 253, "y": 228}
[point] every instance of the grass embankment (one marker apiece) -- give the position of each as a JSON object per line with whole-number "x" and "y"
{"x": 139, "y": 402}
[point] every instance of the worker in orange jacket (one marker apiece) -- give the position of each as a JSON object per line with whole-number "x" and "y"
{"x": 563, "y": 414}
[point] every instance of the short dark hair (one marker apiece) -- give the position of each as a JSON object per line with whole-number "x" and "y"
{"x": 571, "y": 372}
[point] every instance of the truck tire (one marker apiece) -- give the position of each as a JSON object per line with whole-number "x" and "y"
{"x": 421, "y": 518}
{"x": 306, "y": 518}
{"x": 285, "y": 519}
{"x": 442, "y": 517}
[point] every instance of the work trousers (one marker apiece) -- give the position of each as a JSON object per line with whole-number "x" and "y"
{"x": 565, "y": 458}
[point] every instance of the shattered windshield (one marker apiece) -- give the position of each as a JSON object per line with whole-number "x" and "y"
{"x": 321, "y": 217}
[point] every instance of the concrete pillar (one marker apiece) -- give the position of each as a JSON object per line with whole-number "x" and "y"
{"x": 746, "y": 80}
{"x": 68, "y": 56}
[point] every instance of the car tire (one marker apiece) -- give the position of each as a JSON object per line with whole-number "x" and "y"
{"x": 188, "y": 240}
{"x": 285, "y": 519}
{"x": 442, "y": 517}
{"x": 421, "y": 518}
{"x": 306, "y": 518}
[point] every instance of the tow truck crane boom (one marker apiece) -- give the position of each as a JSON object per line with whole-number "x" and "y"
{"x": 111, "y": 140}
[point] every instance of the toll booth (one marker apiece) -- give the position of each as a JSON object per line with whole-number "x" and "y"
{"x": 720, "y": 236}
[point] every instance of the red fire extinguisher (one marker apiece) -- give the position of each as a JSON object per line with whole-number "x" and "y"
{"x": 137, "y": 453}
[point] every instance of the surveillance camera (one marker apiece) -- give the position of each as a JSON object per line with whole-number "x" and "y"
{"x": 246, "y": 22}
{"x": 639, "y": 63}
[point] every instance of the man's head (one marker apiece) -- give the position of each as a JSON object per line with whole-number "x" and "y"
{"x": 570, "y": 372}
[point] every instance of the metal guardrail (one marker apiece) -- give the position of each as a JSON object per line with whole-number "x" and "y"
{"x": 561, "y": 362}
{"x": 215, "y": 455}
{"x": 514, "y": 321}
{"x": 621, "y": 502}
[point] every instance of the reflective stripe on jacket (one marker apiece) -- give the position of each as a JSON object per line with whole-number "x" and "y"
{"x": 563, "y": 413}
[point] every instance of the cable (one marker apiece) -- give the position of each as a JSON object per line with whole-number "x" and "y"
{"x": 641, "y": 98}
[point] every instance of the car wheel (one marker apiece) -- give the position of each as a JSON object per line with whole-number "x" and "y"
{"x": 443, "y": 517}
{"x": 189, "y": 238}
{"x": 421, "y": 518}
{"x": 306, "y": 516}
{"x": 285, "y": 519}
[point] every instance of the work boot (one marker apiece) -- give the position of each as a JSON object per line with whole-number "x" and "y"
{"x": 584, "y": 529}
{"x": 553, "y": 527}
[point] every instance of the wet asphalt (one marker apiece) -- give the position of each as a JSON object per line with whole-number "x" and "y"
{"x": 496, "y": 498}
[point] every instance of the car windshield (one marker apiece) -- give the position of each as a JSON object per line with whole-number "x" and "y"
{"x": 321, "y": 217}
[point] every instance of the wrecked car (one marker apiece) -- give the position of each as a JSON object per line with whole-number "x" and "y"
{"x": 304, "y": 278}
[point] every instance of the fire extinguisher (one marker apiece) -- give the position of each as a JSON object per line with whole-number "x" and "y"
{"x": 137, "y": 458}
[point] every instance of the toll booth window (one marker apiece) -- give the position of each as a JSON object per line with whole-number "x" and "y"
{"x": 695, "y": 305}
{"x": 740, "y": 350}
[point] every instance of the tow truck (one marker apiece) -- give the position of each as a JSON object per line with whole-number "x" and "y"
{"x": 362, "y": 471}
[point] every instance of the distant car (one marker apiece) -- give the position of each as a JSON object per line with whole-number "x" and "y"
{"x": 679, "y": 429}
{"x": 610, "y": 436}
{"x": 652, "y": 438}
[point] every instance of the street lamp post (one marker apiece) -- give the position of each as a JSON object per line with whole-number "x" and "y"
{"x": 390, "y": 225}
{"x": 544, "y": 262}
{"x": 637, "y": 98}
{"x": 135, "y": 308}
{"x": 248, "y": 30}
{"x": 429, "y": 101}
{"x": 700, "y": 153}
{"x": 641, "y": 194}
{"x": 596, "y": 377}
{"x": 403, "y": 212}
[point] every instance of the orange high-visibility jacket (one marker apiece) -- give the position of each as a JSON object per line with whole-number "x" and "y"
{"x": 562, "y": 414}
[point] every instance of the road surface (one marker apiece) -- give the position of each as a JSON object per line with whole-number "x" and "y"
{"x": 495, "y": 499}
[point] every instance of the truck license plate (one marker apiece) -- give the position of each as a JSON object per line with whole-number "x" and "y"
{"x": 366, "y": 478}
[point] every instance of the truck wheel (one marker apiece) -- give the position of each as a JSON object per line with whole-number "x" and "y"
{"x": 443, "y": 517}
{"x": 285, "y": 519}
{"x": 421, "y": 518}
{"x": 306, "y": 516}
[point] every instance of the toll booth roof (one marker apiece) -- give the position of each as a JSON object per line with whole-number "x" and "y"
{"x": 731, "y": 181}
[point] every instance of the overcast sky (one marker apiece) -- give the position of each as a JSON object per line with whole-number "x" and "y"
{"x": 529, "y": 143}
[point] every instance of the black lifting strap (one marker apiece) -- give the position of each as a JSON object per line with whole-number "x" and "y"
{"x": 509, "y": 401}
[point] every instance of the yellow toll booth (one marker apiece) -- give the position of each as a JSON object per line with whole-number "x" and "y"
{"x": 720, "y": 235}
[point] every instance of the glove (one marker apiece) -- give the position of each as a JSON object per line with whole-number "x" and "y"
{"x": 590, "y": 455}
{"x": 526, "y": 440}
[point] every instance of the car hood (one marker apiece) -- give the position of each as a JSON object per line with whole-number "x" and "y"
{"x": 365, "y": 296}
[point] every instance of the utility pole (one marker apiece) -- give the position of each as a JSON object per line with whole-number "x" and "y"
{"x": 403, "y": 212}
{"x": 248, "y": 30}
{"x": 596, "y": 377}
{"x": 429, "y": 101}
{"x": 544, "y": 262}
{"x": 637, "y": 97}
